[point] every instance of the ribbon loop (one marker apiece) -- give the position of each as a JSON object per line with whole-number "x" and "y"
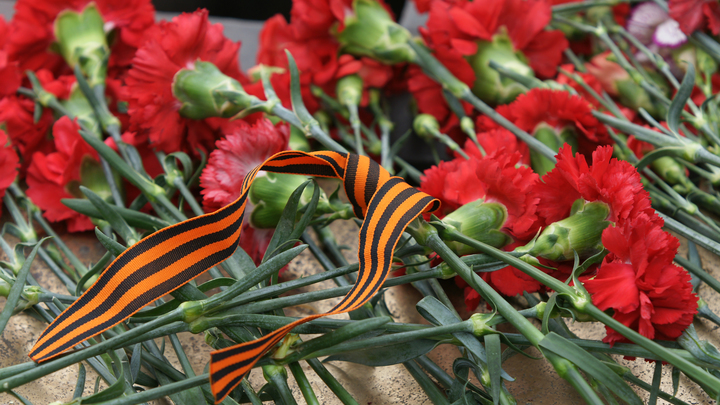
{"x": 169, "y": 258}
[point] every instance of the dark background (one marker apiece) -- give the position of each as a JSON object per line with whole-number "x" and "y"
{"x": 246, "y": 9}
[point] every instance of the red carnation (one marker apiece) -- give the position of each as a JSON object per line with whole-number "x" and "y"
{"x": 10, "y": 75}
{"x": 696, "y": 14}
{"x": 58, "y": 175}
{"x": 32, "y": 30}
{"x": 494, "y": 178}
{"x": 17, "y": 115}
{"x": 639, "y": 282}
{"x": 460, "y": 25}
{"x": 9, "y": 163}
{"x": 316, "y": 52}
{"x": 169, "y": 47}
{"x": 238, "y": 153}
{"x": 614, "y": 182}
{"x": 558, "y": 110}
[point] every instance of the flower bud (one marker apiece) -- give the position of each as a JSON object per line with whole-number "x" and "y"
{"x": 426, "y": 126}
{"x": 580, "y": 232}
{"x": 370, "y": 31}
{"x": 478, "y": 220}
{"x": 489, "y": 85}
{"x": 480, "y": 326}
{"x": 205, "y": 92}
{"x": 349, "y": 90}
{"x": 270, "y": 194}
{"x": 81, "y": 41}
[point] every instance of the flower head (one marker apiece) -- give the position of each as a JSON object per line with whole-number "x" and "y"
{"x": 568, "y": 116}
{"x": 696, "y": 14}
{"x": 9, "y": 163}
{"x": 608, "y": 180}
{"x": 169, "y": 47}
{"x": 57, "y": 175}
{"x": 639, "y": 282}
{"x": 32, "y": 30}
{"x": 10, "y": 74}
{"x": 494, "y": 179}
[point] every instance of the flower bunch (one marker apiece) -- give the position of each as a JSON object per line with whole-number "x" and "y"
{"x": 556, "y": 150}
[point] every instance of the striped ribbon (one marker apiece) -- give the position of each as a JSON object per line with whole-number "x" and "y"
{"x": 169, "y": 258}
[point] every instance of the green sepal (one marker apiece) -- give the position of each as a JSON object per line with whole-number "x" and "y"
{"x": 82, "y": 42}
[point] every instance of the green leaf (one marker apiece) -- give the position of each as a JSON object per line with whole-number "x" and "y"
{"x": 96, "y": 269}
{"x": 133, "y": 218}
{"x": 295, "y": 93}
{"x": 551, "y": 303}
{"x": 135, "y": 362}
{"x": 80, "y": 385}
{"x": 494, "y": 353}
{"x": 657, "y": 376}
{"x": 111, "y": 245}
{"x": 285, "y": 226}
{"x": 113, "y": 391}
{"x": 386, "y": 355}
{"x": 434, "y": 311}
{"x": 675, "y": 380}
{"x": 308, "y": 214}
{"x": 19, "y": 284}
{"x": 587, "y": 362}
{"x": 170, "y": 164}
{"x": 681, "y": 97}
{"x": 116, "y": 221}
{"x": 657, "y": 154}
{"x": 338, "y": 336}
{"x": 700, "y": 349}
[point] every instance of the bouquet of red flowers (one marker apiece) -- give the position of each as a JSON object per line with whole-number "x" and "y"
{"x": 553, "y": 148}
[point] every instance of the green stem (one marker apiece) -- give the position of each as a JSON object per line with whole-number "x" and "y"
{"x": 91, "y": 351}
{"x": 160, "y": 392}
{"x": 332, "y": 382}
{"x": 460, "y": 90}
{"x": 709, "y": 382}
{"x": 427, "y": 385}
{"x": 303, "y": 383}
{"x": 189, "y": 198}
{"x": 699, "y": 272}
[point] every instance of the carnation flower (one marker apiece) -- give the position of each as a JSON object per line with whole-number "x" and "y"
{"x": 608, "y": 180}
{"x": 9, "y": 163}
{"x": 10, "y": 75}
{"x": 236, "y": 155}
{"x": 467, "y": 35}
{"x": 17, "y": 116}
{"x": 639, "y": 282}
{"x": 555, "y": 117}
{"x": 494, "y": 179}
{"x": 316, "y": 51}
{"x": 169, "y": 47}
{"x": 32, "y": 30}
{"x": 57, "y": 175}
{"x": 693, "y": 15}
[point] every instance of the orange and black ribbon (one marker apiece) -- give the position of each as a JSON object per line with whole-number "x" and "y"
{"x": 169, "y": 258}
